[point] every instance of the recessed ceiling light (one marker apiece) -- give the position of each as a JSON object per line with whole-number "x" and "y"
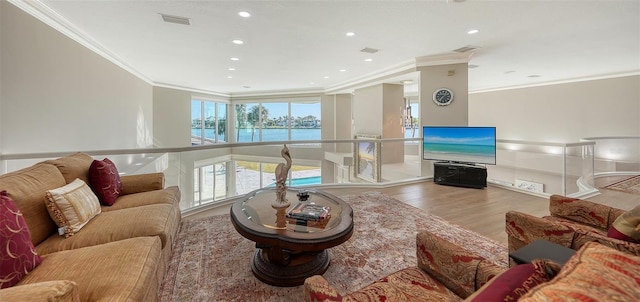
{"x": 235, "y": 59}
{"x": 326, "y": 77}
{"x": 231, "y": 69}
{"x": 368, "y": 60}
{"x": 311, "y": 83}
{"x": 343, "y": 70}
{"x": 229, "y": 77}
{"x": 350, "y": 34}
{"x": 244, "y": 14}
{"x": 237, "y": 42}
{"x": 473, "y": 31}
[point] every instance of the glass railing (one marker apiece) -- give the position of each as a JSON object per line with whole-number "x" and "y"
{"x": 216, "y": 174}
{"x": 544, "y": 168}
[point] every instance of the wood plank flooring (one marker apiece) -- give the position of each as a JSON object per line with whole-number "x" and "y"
{"x": 480, "y": 210}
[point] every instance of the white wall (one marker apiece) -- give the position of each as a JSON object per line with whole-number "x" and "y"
{"x": 561, "y": 113}
{"x": 172, "y": 116}
{"x": 367, "y": 110}
{"x": 59, "y": 96}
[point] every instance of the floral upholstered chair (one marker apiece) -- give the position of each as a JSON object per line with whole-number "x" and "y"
{"x": 574, "y": 222}
{"x": 447, "y": 272}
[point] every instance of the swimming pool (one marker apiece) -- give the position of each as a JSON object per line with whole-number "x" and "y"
{"x": 313, "y": 180}
{"x": 303, "y": 181}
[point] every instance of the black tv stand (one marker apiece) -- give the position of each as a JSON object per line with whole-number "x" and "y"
{"x": 460, "y": 174}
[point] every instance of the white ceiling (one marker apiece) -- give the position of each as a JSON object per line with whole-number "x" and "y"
{"x": 294, "y": 45}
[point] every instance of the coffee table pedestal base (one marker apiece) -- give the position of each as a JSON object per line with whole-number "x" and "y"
{"x": 291, "y": 269}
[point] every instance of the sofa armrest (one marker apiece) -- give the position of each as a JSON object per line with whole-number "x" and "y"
{"x": 59, "y": 290}
{"x": 318, "y": 289}
{"x": 460, "y": 270}
{"x": 523, "y": 229}
{"x": 583, "y": 237}
{"x": 142, "y": 182}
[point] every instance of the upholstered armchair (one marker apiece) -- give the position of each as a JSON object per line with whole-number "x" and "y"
{"x": 444, "y": 272}
{"x": 573, "y": 222}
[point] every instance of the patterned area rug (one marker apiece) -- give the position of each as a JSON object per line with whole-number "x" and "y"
{"x": 629, "y": 185}
{"x": 210, "y": 261}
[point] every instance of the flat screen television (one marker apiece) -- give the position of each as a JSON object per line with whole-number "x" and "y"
{"x": 459, "y": 144}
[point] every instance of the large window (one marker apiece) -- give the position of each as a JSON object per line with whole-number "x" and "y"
{"x": 278, "y": 121}
{"x": 254, "y": 175}
{"x": 208, "y": 122}
{"x": 412, "y": 119}
{"x": 209, "y": 183}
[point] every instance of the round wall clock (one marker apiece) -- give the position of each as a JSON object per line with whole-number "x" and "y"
{"x": 443, "y": 96}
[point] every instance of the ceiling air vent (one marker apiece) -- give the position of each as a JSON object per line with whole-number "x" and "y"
{"x": 369, "y": 50}
{"x": 466, "y": 48}
{"x": 175, "y": 19}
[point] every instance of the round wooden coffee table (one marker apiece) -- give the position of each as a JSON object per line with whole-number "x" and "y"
{"x": 286, "y": 256}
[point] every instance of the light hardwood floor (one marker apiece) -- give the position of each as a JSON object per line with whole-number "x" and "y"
{"x": 480, "y": 210}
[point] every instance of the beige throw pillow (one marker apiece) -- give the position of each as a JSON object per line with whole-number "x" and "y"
{"x": 72, "y": 206}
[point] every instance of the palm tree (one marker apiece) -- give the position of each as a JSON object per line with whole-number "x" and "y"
{"x": 241, "y": 116}
{"x": 256, "y": 116}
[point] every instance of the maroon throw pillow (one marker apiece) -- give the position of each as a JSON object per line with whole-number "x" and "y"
{"x": 516, "y": 281}
{"x": 17, "y": 254}
{"x": 614, "y": 233}
{"x": 104, "y": 180}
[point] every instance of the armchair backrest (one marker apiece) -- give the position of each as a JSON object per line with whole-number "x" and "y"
{"x": 583, "y": 211}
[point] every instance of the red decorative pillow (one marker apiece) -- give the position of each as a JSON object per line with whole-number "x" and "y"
{"x": 516, "y": 281}
{"x": 17, "y": 254}
{"x": 104, "y": 180}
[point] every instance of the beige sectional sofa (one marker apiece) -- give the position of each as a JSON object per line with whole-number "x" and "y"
{"x": 119, "y": 255}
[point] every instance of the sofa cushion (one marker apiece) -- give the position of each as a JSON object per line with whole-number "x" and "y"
{"x": 50, "y": 291}
{"x": 27, "y": 188}
{"x": 72, "y": 206}
{"x": 160, "y": 220}
{"x": 104, "y": 180}
{"x": 17, "y": 254}
{"x": 124, "y": 270}
{"x": 73, "y": 166}
{"x": 170, "y": 195}
{"x": 410, "y": 284}
{"x": 594, "y": 273}
{"x": 627, "y": 226}
{"x": 516, "y": 281}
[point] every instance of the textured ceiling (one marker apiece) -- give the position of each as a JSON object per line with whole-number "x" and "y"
{"x": 294, "y": 45}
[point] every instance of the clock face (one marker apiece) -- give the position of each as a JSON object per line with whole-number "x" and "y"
{"x": 442, "y": 96}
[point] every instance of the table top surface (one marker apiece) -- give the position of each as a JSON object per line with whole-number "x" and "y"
{"x": 543, "y": 249}
{"x": 255, "y": 218}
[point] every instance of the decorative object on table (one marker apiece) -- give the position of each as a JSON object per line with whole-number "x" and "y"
{"x": 303, "y": 196}
{"x": 367, "y": 157}
{"x": 281, "y": 203}
{"x": 311, "y": 215}
{"x": 309, "y": 211}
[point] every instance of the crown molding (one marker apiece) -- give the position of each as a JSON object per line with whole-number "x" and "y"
{"x": 44, "y": 13}
{"x": 444, "y": 59}
{"x": 564, "y": 81}
{"x": 209, "y": 93}
{"x": 372, "y": 78}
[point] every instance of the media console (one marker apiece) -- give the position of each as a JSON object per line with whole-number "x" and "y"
{"x": 459, "y": 174}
